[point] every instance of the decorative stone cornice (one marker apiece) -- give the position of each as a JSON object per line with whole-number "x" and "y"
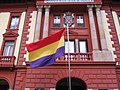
{"x": 47, "y": 7}
{"x": 10, "y": 34}
{"x": 90, "y": 6}
{"x": 39, "y": 7}
{"x": 97, "y": 7}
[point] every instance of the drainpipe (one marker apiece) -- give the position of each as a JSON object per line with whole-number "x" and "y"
{"x": 15, "y": 69}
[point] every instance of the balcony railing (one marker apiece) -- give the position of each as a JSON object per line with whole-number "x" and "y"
{"x": 68, "y": 0}
{"x": 77, "y": 57}
{"x": 7, "y": 61}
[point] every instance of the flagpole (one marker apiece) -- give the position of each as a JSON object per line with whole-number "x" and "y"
{"x": 69, "y": 78}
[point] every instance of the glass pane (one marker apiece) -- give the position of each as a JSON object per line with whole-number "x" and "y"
{"x": 71, "y": 47}
{"x": 56, "y": 21}
{"x": 8, "y": 49}
{"x": 83, "y": 46}
{"x": 56, "y": 25}
{"x": 80, "y": 21}
{"x": 14, "y": 22}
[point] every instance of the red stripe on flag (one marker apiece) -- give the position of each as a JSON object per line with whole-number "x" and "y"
{"x": 45, "y": 41}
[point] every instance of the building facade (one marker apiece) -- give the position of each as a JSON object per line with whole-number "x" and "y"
{"x": 94, "y": 44}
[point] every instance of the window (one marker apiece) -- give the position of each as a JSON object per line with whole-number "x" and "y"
{"x": 14, "y": 22}
{"x": 71, "y": 47}
{"x": 8, "y": 48}
{"x": 80, "y": 21}
{"x": 72, "y": 20}
{"x": 83, "y": 46}
{"x": 56, "y": 21}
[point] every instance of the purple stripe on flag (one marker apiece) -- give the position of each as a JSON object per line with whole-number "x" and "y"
{"x": 48, "y": 60}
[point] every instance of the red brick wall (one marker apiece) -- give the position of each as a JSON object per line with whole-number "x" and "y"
{"x": 94, "y": 77}
{"x": 118, "y": 75}
{"x": 9, "y": 76}
{"x": 113, "y": 31}
{"x": 20, "y": 79}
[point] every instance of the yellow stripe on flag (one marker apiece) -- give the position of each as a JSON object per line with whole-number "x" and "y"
{"x": 47, "y": 50}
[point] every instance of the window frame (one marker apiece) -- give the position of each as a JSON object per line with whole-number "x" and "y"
{"x": 86, "y": 46}
{"x": 10, "y": 19}
{"x": 7, "y": 50}
{"x": 83, "y": 21}
{"x": 74, "y": 46}
{"x": 15, "y": 26}
{"x": 56, "y": 24}
{"x": 9, "y": 36}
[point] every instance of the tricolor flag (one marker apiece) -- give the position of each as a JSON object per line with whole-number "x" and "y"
{"x": 45, "y": 51}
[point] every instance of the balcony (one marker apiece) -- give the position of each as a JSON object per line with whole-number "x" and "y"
{"x": 7, "y": 61}
{"x": 75, "y": 57}
{"x": 68, "y": 1}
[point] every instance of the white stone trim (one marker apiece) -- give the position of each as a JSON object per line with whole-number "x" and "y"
{"x": 52, "y": 89}
{"x": 107, "y": 32}
{"x": 20, "y": 31}
{"x": 4, "y": 18}
{"x": 117, "y": 25}
{"x": 27, "y": 88}
{"x": 31, "y": 31}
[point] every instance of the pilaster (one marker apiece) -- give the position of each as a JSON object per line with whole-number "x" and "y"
{"x": 92, "y": 28}
{"x": 100, "y": 28}
{"x": 38, "y": 23}
{"x": 46, "y": 21}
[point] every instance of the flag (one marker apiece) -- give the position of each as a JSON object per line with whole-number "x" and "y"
{"x": 45, "y": 51}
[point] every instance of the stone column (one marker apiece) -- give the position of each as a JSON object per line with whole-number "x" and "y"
{"x": 38, "y": 23}
{"x": 77, "y": 48}
{"x": 77, "y": 45}
{"x": 46, "y": 21}
{"x": 100, "y": 27}
{"x": 92, "y": 28}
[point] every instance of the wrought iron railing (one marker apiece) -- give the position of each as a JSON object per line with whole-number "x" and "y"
{"x": 77, "y": 57}
{"x": 6, "y": 61}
